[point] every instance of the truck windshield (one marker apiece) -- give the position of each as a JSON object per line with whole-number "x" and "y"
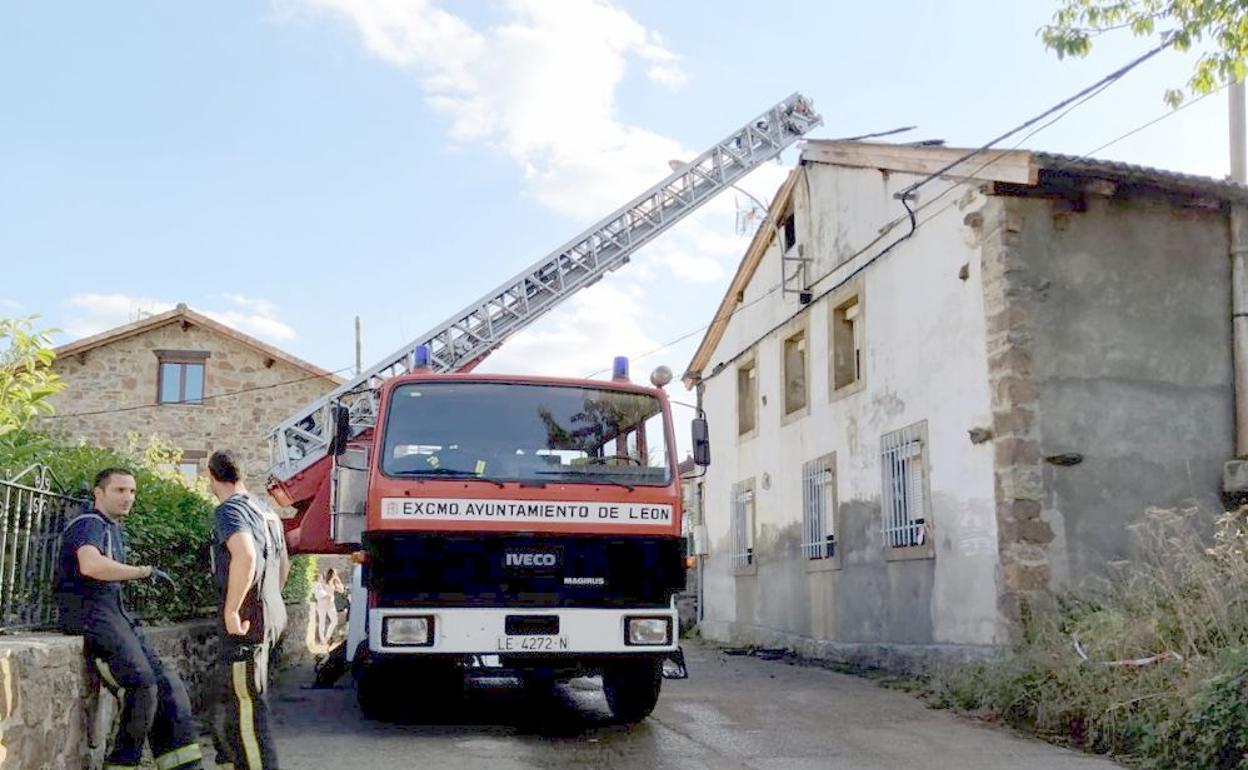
{"x": 541, "y": 433}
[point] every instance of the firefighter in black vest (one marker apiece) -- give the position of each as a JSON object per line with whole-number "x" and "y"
{"x": 154, "y": 703}
{"x": 246, "y": 560}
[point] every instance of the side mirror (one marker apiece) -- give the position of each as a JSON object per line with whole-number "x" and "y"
{"x": 342, "y": 430}
{"x": 701, "y": 442}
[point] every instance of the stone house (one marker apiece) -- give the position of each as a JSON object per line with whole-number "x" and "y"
{"x": 921, "y": 424}
{"x": 188, "y": 379}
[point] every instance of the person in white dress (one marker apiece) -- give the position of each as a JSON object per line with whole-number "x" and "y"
{"x": 324, "y": 591}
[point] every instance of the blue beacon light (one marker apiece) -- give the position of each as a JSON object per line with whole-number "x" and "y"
{"x": 619, "y": 369}
{"x": 420, "y": 357}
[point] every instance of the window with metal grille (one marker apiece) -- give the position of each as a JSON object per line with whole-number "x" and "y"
{"x": 903, "y": 461}
{"x": 819, "y": 508}
{"x": 742, "y": 534}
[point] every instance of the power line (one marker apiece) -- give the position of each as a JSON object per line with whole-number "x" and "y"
{"x": 1090, "y": 91}
{"x": 692, "y": 332}
{"x": 210, "y": 397}
{"x": 1064, "y": 107}
{"x": 1154, "y": 121}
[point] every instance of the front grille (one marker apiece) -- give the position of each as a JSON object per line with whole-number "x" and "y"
{"x": 417, "y": 569}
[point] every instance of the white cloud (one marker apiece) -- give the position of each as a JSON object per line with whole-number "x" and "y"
{"x": 540, "y": 87}
{"x": 93, "y": 313}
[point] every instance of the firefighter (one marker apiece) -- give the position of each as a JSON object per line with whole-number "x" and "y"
{"x": 154, "y": 702}
{"x": 246, "y": 557}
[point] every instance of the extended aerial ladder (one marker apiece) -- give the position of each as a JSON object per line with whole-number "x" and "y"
{"x": 300, "y": 445}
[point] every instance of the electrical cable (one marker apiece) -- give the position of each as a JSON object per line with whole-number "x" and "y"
{"x": 1154, "y": 121}
{"x": 209, "y": 397}
{"x": 1096, "y": 87}
{"x": 1065, "y": 107}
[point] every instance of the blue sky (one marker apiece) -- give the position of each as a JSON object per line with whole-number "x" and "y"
{"x": 287, "y": 166}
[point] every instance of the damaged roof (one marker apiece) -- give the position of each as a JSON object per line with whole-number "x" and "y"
{"x": 1015, "y": 171}
{"x": 1130, "y": 173}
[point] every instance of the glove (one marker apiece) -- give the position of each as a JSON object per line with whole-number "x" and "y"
{"x": 160, "y": 574}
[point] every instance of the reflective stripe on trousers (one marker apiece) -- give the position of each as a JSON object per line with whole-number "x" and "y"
{"x": 244, "y": 738}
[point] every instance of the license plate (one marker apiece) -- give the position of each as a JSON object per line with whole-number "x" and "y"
{"x": 532, "y": 643}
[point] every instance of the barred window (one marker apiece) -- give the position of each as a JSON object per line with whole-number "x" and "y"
{"x": 903, "y": 460}
{"x": 742, "y": 534}
{"x": 819, "y": 508}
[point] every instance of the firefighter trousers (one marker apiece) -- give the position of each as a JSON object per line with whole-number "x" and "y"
{"x": 154, "y": 703}
{"x": 243, "y": 736}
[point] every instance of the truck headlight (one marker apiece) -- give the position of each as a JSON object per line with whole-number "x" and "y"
{"x": 407, "y": 632}
{"x": 648, "y": 631}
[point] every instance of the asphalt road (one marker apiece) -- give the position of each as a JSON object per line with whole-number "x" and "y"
{"x": 733, "y": 712}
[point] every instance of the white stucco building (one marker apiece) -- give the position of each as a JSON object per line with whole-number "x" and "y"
{"x": 898, "y": 464}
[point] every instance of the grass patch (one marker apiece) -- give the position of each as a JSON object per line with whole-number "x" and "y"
{"x": 1076, "y": 677}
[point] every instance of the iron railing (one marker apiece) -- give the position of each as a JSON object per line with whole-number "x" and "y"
{"x": 905, "y": 503}
{"x": 32, "y": 515}
{"x": 742, "y": 534}
{"x": 819, "y": 508}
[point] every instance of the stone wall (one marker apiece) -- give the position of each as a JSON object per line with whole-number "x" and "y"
{"x": 1109, "y": 361}
{"x": 1022, "y": 533}
{"x": 46, "y": 700}
{"x": 1124, "y": 302}
{"x": 41, "y": 678}
{"x": 123, "y": 374}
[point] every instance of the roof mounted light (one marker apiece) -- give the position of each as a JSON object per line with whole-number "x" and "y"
{"x": 619, "y": 369}
{"x": 420, "y": 357}
{"x": 660, "y": 376}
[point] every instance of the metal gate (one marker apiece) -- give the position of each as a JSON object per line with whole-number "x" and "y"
{"x": 32, "y": 516}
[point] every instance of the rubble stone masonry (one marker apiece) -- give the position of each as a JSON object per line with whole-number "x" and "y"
{"x": 47, "y": 700}
{"x": 1023, "y": 536}
{"x": 112, "y": 390}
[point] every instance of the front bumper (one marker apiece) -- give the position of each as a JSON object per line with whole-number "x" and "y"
{"x": 483, "y": 631}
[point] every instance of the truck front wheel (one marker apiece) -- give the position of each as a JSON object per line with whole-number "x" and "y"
{"x": 632, "y": 688}
{"x": 374, "y": 692}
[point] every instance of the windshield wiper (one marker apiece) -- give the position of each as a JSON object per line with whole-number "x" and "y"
{"x": 449, "y": 473}
{"x": 601, "y": 477}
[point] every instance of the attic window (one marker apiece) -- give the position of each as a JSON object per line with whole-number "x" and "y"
{"x": 788, "y": 232}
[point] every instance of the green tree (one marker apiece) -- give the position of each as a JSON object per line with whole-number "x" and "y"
{"x": 26, "y": 381}
{"x": 1217, "y": 29}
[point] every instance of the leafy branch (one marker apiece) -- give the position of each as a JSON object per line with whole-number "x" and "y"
{"x": 1218, "y": 28}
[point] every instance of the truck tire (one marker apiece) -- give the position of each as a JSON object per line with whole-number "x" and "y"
{"x": 374, "y": 694}
{"x": 632, "y": 688}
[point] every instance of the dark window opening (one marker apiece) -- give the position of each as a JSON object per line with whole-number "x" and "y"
{"x": 789, "y": 227}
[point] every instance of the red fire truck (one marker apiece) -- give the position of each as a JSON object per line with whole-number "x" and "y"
{"x": 519, "y": 524}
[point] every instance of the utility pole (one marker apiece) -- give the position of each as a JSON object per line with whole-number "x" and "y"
{"x": 358, "y": 348}
{"x": 1239, "y": 269}
{"x": 1239, "y": 152}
